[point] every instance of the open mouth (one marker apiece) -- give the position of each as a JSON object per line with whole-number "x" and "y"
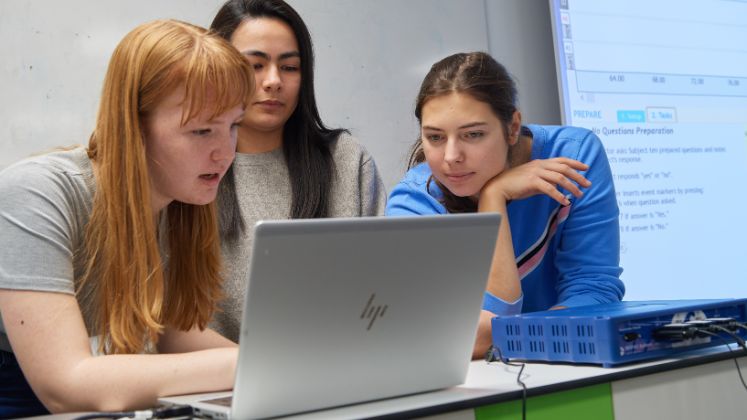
{"x": 209, "y": 177}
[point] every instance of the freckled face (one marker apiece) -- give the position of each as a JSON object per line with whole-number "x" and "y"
{"x": 271, "y": 47}
{"x": 187, "y": 162}
{"x": 464, "y": 142}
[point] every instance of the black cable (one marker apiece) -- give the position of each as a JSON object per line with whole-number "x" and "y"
{"x": 169, "y": 411}
{"x": 736, "y": 362}
{"x": 734, "y": 335}
{"x": 106, "y": 415}
{"x": 741, "y": 325}
{"x": 491, "y": 356}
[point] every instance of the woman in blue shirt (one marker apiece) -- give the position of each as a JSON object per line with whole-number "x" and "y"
{"x": 559, "y": 243}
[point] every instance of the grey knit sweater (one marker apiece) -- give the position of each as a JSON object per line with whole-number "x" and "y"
{"x": 264, "y": 193}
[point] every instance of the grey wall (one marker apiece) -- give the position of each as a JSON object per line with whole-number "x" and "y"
{"x": 520, "y": 37}
{"x": 371, "y": 58}
{"x": 53, "y": 56}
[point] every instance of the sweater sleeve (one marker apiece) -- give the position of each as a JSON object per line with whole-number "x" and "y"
{"x": 588, "y": 255}
{"x": 373, "y": 193}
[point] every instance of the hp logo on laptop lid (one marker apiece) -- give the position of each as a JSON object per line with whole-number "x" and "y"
{"x": 372, "y": 311}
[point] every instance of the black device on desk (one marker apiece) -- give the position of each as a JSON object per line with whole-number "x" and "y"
{"x": 614, "y": 333}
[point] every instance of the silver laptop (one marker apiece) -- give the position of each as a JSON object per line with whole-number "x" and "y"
{"x": 340, "y": 311}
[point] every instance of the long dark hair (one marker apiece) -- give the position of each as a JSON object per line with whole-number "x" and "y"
{"x": 476, "y": 74}
{"x": 306, "y": 140}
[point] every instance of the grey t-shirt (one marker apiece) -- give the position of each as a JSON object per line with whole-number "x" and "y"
{"x": 264, "y": 193}
{"x": 45, "y": 204}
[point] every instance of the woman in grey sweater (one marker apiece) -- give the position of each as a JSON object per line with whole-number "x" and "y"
{"x": 288, "y": 165}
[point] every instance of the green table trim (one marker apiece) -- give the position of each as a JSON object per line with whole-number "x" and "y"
{"x": 587, "y": 403}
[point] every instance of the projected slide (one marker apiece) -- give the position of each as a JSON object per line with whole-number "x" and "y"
{"x": 664, "y": 85}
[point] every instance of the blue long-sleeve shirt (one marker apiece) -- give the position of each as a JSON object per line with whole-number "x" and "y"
{"x": 566, "y": 255}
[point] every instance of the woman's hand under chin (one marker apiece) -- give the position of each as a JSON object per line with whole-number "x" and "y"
{"x": 539, "y": 176}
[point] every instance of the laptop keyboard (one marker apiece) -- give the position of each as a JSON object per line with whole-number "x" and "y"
{"x": 225, "y": 401}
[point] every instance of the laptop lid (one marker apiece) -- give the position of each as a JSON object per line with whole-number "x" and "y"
{"x": 340, "y": 311}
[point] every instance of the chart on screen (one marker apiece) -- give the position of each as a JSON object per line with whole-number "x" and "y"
{"x": 664, "y": 85}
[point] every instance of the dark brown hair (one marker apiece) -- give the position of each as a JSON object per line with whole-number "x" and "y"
{"x": 476, "y": 74}
{"x": 306, "y": 140}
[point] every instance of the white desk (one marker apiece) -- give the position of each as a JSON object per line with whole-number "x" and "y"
{"x": 701, "y": 385}
{"x": 696, "y": 386}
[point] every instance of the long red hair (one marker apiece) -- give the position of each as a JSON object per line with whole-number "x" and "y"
{"x": 136, "y": 293}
